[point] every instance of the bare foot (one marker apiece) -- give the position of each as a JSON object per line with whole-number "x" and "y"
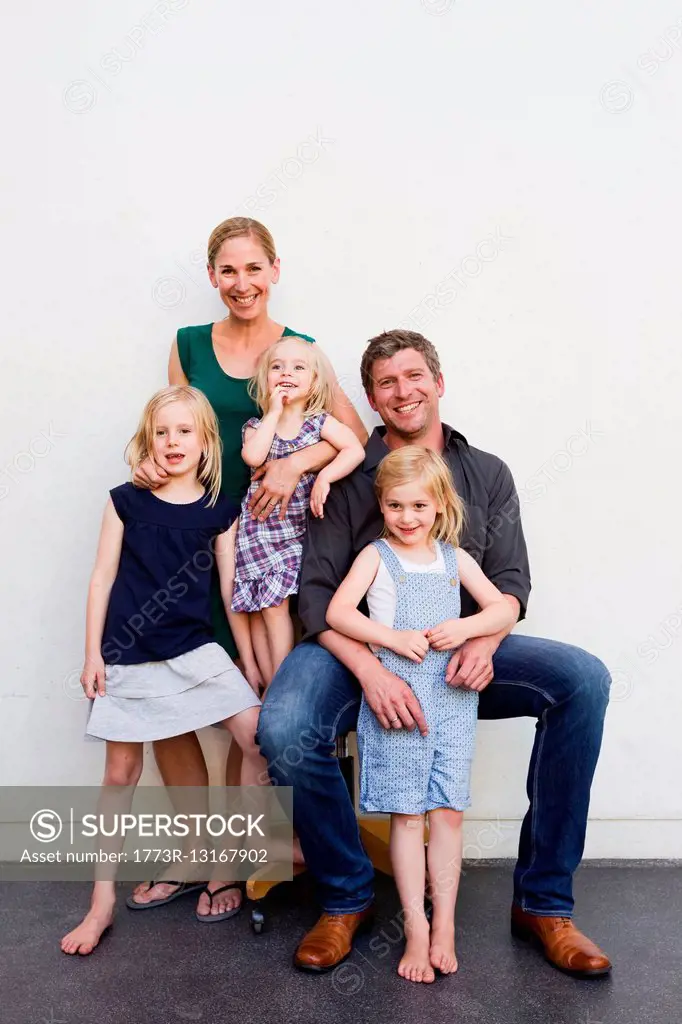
{"x": 227, "y": 900}
{"x": 415, "y": 964}
{"x": 159, "y": 891}
{"x": 86, "y": 936}
{"x": 442, "y": 953}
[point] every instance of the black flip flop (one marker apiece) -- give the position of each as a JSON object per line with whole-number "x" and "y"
{"x": 213, "y": 918}
{"x": 184, "y": 888}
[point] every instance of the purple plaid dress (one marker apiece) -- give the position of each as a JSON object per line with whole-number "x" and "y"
{"x": 268, "y": 555}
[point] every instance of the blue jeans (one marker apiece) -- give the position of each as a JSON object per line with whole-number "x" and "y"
{"x": 314, "y": 698}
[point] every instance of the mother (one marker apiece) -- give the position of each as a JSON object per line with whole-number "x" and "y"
{"x": 219, "y": 359}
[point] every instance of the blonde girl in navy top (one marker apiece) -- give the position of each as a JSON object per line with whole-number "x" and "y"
{"x": 152, "y": 668}
{"x": 411, "y": 579}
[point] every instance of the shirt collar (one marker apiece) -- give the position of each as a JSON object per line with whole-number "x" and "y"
{"x": 377, "y": 448}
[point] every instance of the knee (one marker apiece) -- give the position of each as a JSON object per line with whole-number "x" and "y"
{"x": 589, "y": 682}
{"x": 445, "y": 818}
{"x": 123, "y": 773}
{"x": 597, "y": 681}
{"x": 282, "y": 736}
{"x": 407, "y": 822}
{"x": 292, "y": 705}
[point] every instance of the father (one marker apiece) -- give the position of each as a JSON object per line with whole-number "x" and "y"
{"x": 315, "y": 696}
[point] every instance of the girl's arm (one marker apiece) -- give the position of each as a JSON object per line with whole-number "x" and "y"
{"x": 344, "y": 617}
{"x": 238, "y": 621}
{"x": 258, "y": 440}
{"x": 101, "y": 582}
{"x": 496, "y": 612}
{"x": 350, "y": 454}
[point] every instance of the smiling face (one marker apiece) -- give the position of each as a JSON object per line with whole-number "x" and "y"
{"x": 176, "y": 441}
{"x": 409, "y": 512}
{"x": 243, "y": 274}
{"x": 290, "y": 367}
{"x": 406, "y": 394}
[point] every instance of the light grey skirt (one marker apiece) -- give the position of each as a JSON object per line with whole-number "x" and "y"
{"x": 160, "y": 699}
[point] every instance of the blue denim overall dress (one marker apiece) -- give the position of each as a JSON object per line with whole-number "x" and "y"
{"x": 403, "y": 772}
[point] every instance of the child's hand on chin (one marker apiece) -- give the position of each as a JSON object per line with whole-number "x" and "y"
{"x": 278, "y": 398}
{"x": 448, "y": 634}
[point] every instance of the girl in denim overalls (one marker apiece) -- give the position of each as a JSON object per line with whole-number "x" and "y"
{"x": 411, "y": 579}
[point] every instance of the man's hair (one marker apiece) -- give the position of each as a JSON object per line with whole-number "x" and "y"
{"x": 388, "y": 344}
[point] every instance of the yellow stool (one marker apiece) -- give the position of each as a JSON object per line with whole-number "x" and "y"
{"x": 374, "y": 833}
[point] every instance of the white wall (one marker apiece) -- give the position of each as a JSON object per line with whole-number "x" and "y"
{"x": 383, "y": 144}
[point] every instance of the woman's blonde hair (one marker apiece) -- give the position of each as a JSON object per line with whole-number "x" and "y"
{"x": 141, "y": 445}
{"x": 241, "y": 227}
{"x": 321, "y": 394}
{"x": 412, "y": 462}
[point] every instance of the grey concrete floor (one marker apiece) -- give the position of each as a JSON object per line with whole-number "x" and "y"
{"x": 162, "y": 967}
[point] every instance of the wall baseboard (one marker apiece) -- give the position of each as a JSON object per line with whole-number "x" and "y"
{"x": 609, "y": 840}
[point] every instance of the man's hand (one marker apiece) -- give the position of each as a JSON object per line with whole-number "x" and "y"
{"x": 278, "y": 478}
{"x": 471, "y": 666}
{"x": 149, "y": 476}
{"x": 392, "y": 700}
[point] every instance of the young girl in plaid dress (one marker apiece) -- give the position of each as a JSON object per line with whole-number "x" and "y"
{"x": 293, "y": 388}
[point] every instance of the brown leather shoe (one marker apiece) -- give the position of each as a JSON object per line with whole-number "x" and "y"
{"x": 330, "y": 942}
{"x": 563, "y": 945}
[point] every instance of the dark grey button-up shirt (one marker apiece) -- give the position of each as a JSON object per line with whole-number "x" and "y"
{"x": 352, "y": 519}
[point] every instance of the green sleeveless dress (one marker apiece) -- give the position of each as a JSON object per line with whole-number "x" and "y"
{"x": 233, "y": 406}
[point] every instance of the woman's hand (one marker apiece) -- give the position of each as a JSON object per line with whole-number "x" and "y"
{"x": 92, "y": 677}
{"x": 279, "y": 479}
{"x": 448, "y": 634}
{"x": 318, "y": 496}
{"x": 411, "y": 643}
{"x": 254, "y": 678}
{"x": 149, "y": 476}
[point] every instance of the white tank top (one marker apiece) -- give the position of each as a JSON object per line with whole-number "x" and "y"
{"x": 381, "y": 596}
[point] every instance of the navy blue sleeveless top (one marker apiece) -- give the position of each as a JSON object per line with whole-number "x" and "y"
{"x": 160, "y": 603}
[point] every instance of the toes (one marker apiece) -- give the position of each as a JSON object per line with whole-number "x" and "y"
{"x": 228, "y": 900}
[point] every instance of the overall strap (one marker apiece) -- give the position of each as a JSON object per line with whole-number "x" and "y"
{"x": 390, "y": 560}
{"x": 450, "y": 560}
